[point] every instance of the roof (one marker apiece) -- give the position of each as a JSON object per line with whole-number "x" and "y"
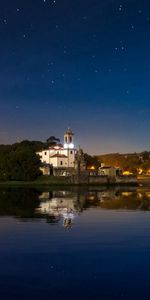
{"x": 57, "y": 147}
{"x": 59, "y": 155}
{"x": 107, "y": 168}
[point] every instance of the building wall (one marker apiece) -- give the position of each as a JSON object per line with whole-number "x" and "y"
{"x": 45, "y": 170}
{"x": 46, "y": 157}
{"x": 108, "y": 172}
{"x": 59, "y": 162}
{"x": 62, "y": 162}
{"x": 71, "y": 157}
{"x": 53, "y": 161}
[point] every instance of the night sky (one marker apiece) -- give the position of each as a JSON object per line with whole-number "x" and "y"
{"x": 83, "y": 64}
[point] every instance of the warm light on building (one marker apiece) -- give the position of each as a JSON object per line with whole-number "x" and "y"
{"x": 127, "y": 173}
{"x": 61, "y": 156}
{"x": 140, "y": 171}
{"x": 127, "y": 194}
{"x": 148, "y": 194}
{"x": 92, "y": 168}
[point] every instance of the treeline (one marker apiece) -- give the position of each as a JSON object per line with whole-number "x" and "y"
{"x": 134, "y": 162}
{"x": 19, "y": 161}
{"x": 92, "y": 161}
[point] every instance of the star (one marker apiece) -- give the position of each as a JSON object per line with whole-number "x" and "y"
{"x": 94, "y": 35}
{"x": 132, "y": 27}
{"x": 84, "y": 18}
{"x": 120, "y": 7}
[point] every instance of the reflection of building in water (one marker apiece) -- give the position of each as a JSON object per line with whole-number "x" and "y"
{"x": 44, "y": 196}
{"x": 56, "y": 206}
{"x": 108, "y": 195}
{"x": 65, "y": 206}
{"x": 59, "y": 208}
{"x": 68, "y": 219}
{"x": 102, "y": 196}
{"x": 61, "y": 205}
{"x": 54, "y": 194}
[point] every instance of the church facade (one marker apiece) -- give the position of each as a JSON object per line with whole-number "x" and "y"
{"x": 60, "y": 156}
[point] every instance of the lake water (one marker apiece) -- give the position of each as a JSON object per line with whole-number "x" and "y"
{"x": 75, "y": 244}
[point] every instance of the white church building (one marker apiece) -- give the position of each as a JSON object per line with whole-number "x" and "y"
{"x": 60, "y": 156}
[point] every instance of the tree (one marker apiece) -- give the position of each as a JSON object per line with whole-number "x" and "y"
{"x": 52, "y": 140}
{"x": 18, "y": 162}
{"x": 91, "y": 161}
{"x": 126, "y": 162}
{"x": 145, "y": 156}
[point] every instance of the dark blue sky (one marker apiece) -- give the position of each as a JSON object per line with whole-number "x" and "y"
{"x": 77, "y": 63}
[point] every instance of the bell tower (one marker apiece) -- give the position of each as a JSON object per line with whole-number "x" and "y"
{"x": 69, "y": 139}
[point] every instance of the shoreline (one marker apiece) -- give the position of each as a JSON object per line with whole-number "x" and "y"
{"x": 63, "y": 183}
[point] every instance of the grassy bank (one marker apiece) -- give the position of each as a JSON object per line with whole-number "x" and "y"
{"x": 52, "y": 181}
{"x": 41, "y": 181}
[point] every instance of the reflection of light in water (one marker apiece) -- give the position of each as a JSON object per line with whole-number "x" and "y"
{"x": 68, "y": 219}
{"x": 140, "y": 195}
{"x": 127, "y": 194}
{"x": 148, "y": 194}
{"x": 65, "y": 206}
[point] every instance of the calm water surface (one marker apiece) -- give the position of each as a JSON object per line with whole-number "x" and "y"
{"x": 74, "y": 244}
